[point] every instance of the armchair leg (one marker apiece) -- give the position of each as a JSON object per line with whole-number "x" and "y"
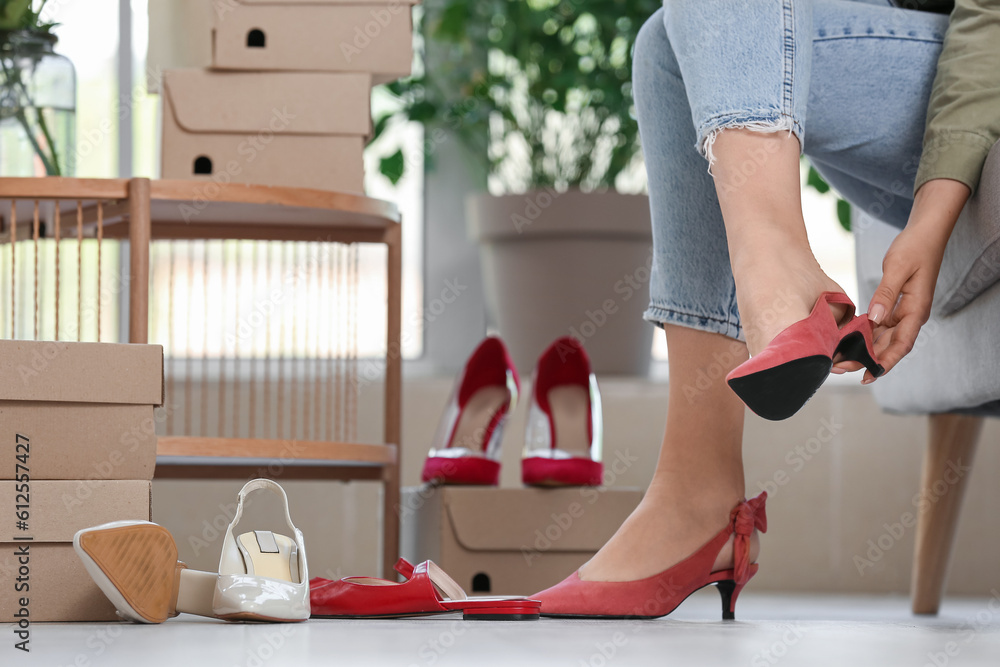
{"x": 950, "y": 450}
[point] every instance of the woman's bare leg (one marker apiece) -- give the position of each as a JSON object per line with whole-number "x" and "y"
{"x": 777, "y": 276}
{"x": 699, "y": 475}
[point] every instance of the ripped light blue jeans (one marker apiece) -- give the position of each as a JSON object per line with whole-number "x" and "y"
{"x": 850, "y": 78}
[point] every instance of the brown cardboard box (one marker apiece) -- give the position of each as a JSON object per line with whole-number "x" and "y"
{"x": 510, "y": 541}
{"x": 374, "y": 36}
{"x": 79, "y": 410}
{"x": 58, "y": 586}
{"x": 303, "y": 129}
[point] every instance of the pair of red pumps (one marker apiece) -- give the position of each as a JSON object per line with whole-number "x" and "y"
{"x": 562, "y": 444}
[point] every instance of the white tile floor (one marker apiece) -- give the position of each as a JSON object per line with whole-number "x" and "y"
{"x": 772, "y": 630}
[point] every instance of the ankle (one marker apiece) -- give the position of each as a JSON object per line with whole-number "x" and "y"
{"x": 706, "y": 505}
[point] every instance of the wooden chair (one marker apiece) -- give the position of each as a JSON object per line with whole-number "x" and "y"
{"x": 141, "y": 211}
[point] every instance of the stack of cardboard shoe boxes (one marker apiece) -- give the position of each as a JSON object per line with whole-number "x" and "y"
{"x": 286, "y": 98}
{"x": 77, "y": 449}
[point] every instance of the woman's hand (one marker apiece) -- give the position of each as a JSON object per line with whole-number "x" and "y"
{"x": 902, "y": 301}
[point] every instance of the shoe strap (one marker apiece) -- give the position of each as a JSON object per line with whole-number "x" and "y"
{"x": 262, "y": 484}
{"x": 404, "y": 567}
{"x": 444, "y": 585}
{"x": 745, "y": 517}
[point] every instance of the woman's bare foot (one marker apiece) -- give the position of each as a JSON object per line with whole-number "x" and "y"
{"x": 778, "y": 279}
{"x": 661, "y": 532}
{"x": 775, "y": 293}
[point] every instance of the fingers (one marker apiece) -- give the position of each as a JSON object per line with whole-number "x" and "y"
{"x": 897, "y": 343}
{"x": 887, "y": 293}
{"x": 842, "y": 367}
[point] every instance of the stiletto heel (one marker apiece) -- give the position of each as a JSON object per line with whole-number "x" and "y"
{"x": 660, "y": 594}
{"x": 730, "y": 591}
{"x": 857, "y": 345}
{"x": 779, "y": 380}
{"x": 726, "y": 590}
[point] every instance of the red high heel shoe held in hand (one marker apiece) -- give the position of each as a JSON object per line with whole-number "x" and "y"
{"x": 660, "y": 594}
{"x": 779, "y": 380}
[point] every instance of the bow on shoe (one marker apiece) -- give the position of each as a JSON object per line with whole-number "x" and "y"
{"x": 745, "y": 517}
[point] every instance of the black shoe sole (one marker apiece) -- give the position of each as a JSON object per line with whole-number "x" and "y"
{"x": 779, "y": 392}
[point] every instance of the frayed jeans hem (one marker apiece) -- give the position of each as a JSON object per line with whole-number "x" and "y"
{"x": 767, "y": 122}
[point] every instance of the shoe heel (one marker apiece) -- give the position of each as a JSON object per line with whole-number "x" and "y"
{"x": 729, "y": 591}
{"x": 857, "y": 345}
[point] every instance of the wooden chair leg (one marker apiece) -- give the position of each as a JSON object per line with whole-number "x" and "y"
{"x": 950, "y": 451}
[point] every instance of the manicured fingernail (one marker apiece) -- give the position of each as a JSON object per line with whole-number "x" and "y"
{"x": 837, "y": 371}
{"x": 867, "y": 380}
{"x": 876, "y": 313}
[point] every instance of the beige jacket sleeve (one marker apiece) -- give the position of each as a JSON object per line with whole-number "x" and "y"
{"x": 963, "y": 118}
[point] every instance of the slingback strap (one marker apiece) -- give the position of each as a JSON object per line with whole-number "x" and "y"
{"x": 745, "y": 517}
{"x": 404, "y": 567}
{"x": 841, "y": 299}
{"x": 268, "y": 485}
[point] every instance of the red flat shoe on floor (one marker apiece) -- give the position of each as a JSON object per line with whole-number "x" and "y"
{"x": 428, "y": 590}
{"x": 466, "y": 448}
{"x": 660, "y": 594}
{"x": 779, "y": 380}
{"x": 563, "y": 439}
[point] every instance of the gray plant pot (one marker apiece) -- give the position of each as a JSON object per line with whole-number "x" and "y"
{"x": 573, "y": 263}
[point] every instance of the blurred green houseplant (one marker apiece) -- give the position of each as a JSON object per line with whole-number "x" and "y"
{"x": 26, "y": 37}
{"x": 540, "y": 89}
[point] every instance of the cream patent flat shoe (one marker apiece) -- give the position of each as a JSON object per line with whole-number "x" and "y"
{"x": 263, "y": 575}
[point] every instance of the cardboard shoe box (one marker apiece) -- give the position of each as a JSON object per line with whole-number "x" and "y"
{"x": 45, "y": 572}
{"x": 374, "y": 36}
{"x": 510, "y": 541}
{"x": 81, "y": 410}
{"x": 296, "y": 129}
{"x": 77, "y": 449}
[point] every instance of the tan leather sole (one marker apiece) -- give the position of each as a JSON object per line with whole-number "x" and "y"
{"x": 141, "y": 563}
